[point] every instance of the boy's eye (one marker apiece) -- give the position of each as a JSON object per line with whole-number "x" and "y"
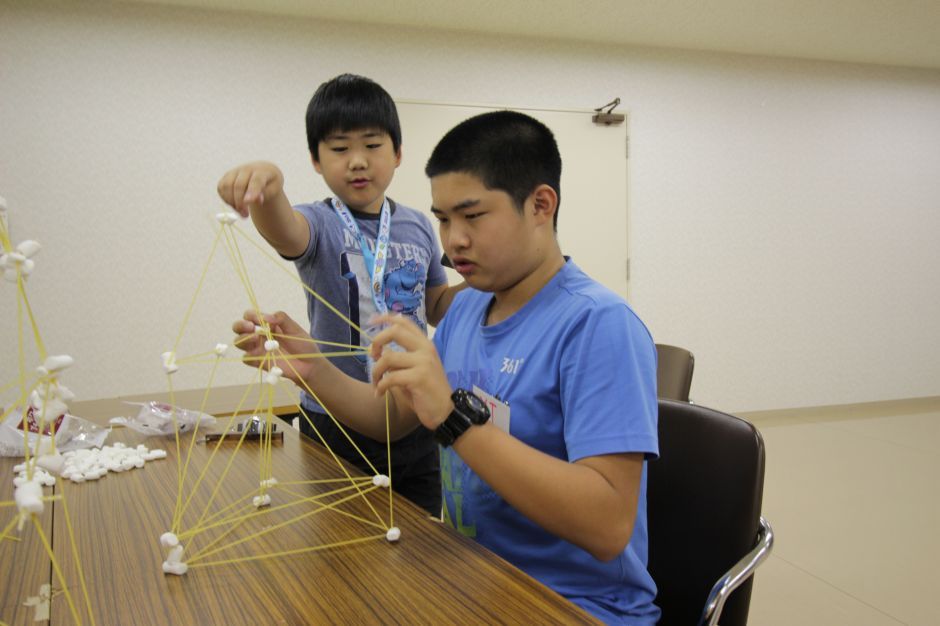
{"x": 338, "y": 149}
{"x": 373, "y": 146}
{"x": 473, "y": 216}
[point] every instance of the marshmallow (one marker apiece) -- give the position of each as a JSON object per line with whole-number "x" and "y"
{"x": 381, "y": 480}
{"x": 271, "y": 345}
{"x": 169, "y": 362}
{"x": 28, "y": 248}
{"x": 220, "y": 348}
{"x": 175, "y": 568}
{"x": 226, "y": 217}
{"x": 393, "y": 534}
{"x": 169, "y": 540}
{"x": 269, "y": 482}
{"x": 28, "y": 497}
{"x": 57, "y": 362}
{"x": 51, "y": 462}
{"x": 273, "y": 376}
{"x": 260, "y": 501}
{"x": 173, "y": 564}
{"x": 18, "y": 262}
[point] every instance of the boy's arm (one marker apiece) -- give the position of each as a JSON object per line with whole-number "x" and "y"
{"x": 438, "y": 299}
{"x": 592, "y": 503}
{"x": 258, "y": 189}
{"x": 353, "y": 402}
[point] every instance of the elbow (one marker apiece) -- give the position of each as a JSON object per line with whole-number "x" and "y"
{"x": 612, "y": 543}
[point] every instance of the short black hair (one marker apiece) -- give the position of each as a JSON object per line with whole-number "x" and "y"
{"x": 509, "y": 151}
{"x": 350, "y": 102}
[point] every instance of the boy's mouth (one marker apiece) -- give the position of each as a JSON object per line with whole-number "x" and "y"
{"x": 463, "y": 266}
{"x": 359, "y": 183}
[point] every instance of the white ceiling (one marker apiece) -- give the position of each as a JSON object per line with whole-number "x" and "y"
{"x": 886, "y": 32}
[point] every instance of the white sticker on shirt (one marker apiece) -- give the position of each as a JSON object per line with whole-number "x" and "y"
{"x": 499, "y": 410}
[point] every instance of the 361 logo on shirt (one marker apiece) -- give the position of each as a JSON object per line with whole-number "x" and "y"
{"x": 511, "y": 366}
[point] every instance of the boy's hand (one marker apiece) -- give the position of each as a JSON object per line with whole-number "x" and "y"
{"x": 417, "y": 373}
{"x": 293, "y": 354}
{"x": 246, "y": 187}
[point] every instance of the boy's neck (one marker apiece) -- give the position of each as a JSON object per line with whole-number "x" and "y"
{"x": 373, "y": 209}
{"x": 509, "y": 301}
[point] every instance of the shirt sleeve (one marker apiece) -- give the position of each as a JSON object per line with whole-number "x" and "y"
{"x": 311, "y": 215}
{"x": 608, "y": 385}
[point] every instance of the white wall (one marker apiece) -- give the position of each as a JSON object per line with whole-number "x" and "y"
{"x": 783, "y": 213}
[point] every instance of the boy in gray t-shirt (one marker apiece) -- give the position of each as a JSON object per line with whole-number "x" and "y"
{"x": 360, "y": 251}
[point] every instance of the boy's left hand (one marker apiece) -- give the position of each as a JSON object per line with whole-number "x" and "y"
{"x": 417, "y": 373}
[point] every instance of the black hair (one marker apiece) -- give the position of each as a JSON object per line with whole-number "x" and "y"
{"x": 349, "y": 102}
{"x": 507, "y": 150}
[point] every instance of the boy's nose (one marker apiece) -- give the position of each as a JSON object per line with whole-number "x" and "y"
{"x": 456, "y": 240}
{"x": 358, "y": 161}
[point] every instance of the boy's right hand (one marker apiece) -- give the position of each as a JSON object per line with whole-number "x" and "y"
{"x": 296, "y": 350}
{"x": 246, "y": 187}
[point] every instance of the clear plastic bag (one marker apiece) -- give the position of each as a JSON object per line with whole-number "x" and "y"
{"x": 157, "y": 418}
{"x": 70, "y": 433}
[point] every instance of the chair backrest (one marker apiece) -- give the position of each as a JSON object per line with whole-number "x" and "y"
{"x": 703, "y": 508}
{"x": 674, "y": 367}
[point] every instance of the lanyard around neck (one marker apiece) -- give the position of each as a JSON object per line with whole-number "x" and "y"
{"x": 374, "y": 264}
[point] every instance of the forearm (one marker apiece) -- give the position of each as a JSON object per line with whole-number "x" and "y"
{"x": 570, "y": 500}
{"x": 354, "y": 403}
{"x": 281, "y": 226}
{"x": 442, "y": 301}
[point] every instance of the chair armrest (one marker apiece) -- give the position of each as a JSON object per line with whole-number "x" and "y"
{"x": 739, "y": 572}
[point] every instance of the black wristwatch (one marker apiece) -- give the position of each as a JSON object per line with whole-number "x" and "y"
{"x": 468, "y": 411}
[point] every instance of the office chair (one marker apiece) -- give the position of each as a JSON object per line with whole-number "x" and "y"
{"x": 674, "y": 367}
{"x": 706, "y": 533}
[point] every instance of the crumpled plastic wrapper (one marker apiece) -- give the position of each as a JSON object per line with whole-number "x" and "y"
{"x": 71, "y": 433}
{"x": 156, "y": 418}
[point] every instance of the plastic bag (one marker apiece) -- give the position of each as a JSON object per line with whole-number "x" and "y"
{"x": 157, "y": 418}
{"x": 70, "y": 433}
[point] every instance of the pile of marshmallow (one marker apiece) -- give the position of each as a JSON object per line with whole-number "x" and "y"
{"x": 88, "y": 463}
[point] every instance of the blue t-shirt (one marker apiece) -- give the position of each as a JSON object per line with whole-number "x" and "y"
{"x": 578, "y": 370}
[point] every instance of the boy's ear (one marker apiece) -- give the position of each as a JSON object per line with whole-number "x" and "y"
{"x": 316, "y": 164}
{"x": 544, "y": 202}
{"x": 398, "y": 156}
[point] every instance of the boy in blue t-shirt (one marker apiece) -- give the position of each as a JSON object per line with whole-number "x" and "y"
{"x": 540, "y": 384}
{"x": 359, "y": 250}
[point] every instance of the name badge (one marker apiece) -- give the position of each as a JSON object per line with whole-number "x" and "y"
{"x": 499, "y": 410}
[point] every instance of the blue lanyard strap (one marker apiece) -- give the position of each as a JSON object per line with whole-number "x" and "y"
{"x": 374, "y": 264}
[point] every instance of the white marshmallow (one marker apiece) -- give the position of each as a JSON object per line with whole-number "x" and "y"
{"x": 175, "y": 568}
{"x": 169, "y": 362}
{"x": 176, "y": 554}
{"x": 58, "y": 362}
{"x": 273, "y": 376}
{"x": 226, "y": 217}
{"x": 220, "y": 348}
{"x": 269, "y": 482}
{"x": 271, "y": 345}
{"x": 393, "y": 534}
{"x": 51, "y": 462}
{"x": 28, "y": 497}
{"x": 381, "y": 480}
{"x": 260, "y": 501}
{"x": 28, "y": 248}
{"x": 169, "y": 540}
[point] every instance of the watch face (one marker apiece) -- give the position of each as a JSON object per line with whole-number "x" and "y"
{"x": 475, "y": 404}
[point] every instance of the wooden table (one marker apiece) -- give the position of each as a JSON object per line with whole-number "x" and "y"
{"x": 431, "y": 575}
